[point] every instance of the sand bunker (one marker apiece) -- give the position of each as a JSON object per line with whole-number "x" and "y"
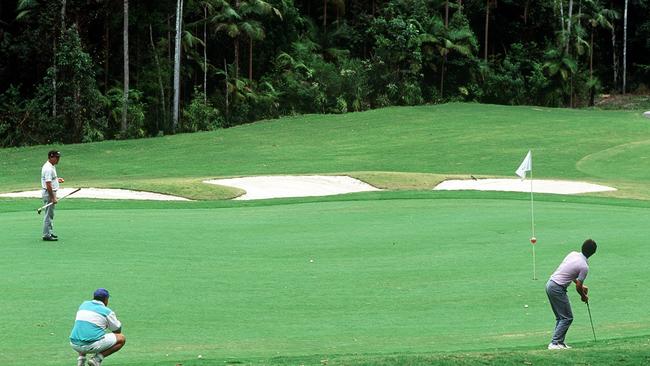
{"x": 517, "y": 185}
{"x": 293, "y": 186}
{"x": 102, "y": 193}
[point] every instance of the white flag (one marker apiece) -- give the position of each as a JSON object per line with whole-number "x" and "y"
{"x": 526, "y": 165}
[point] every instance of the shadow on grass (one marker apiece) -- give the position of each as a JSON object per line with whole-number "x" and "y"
{"x": 625, "y": 351}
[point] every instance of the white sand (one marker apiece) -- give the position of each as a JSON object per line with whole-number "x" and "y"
{"x": 102, "y": 193}
{"x": 262, "y": 187}
{"x": 517, "y": 185}
{"x": 293, "y": 186}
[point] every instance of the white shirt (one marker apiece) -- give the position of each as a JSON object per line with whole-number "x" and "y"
{"x": 48, "y": 174}
{"x": 573, "y": 267}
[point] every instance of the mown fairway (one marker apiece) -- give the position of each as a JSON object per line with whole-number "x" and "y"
{"x": 397, "y": 277}
{"x": 484, "y": 140}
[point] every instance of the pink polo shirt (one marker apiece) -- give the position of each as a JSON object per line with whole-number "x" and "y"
{"x": 573, "y": 267}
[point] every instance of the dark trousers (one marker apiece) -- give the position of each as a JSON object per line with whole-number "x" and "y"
{"x": 561, "y": 306}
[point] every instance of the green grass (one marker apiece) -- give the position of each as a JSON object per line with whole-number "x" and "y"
{"x": 408, "y": 277}
{"x": 395, "y": 276}
{"x": 378, "y": 145}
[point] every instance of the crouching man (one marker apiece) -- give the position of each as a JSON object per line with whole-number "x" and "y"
{"x": 89, "y": 334}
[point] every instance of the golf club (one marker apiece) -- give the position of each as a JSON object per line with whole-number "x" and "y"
{"x": 591, "y": 321}
{"x": 49, "y": 204}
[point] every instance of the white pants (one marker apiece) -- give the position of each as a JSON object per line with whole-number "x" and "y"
{"x": 99, "y": 346}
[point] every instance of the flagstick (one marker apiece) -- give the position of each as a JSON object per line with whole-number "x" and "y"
{"x": 532, "y": 221}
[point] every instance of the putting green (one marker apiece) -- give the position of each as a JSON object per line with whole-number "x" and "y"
{"x": 388, "y": 276}
{"x": 630, "y": 158}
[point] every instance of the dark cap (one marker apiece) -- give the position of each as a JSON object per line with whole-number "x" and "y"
{"x": 53, "y": 154}
{"x": 100, "y": 294}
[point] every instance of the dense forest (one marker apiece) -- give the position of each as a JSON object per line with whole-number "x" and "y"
{"x": 88, "y": 70}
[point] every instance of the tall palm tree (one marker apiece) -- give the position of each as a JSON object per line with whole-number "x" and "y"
{"x": 325, "y": 15}
{"x": 227, "y": 20}
{"x": 241, "y": 20}
{"x": 125, "y": 103}
{"x": 253, "y": 29}
{"x": 488, "y": 5}
{"x": 560, "y": 64}
{"x": 597, "y": 18}
{"x": 568, "y": 31}
{"x": 25, "y": 9}
{"x": 625, "y": 46}
{"x": 455, "y": 41}
{"x": 177, "y": 63}
{"x": 447, "y": 40}
{"x": 207, "y": 8}
{"x": 159, "y": 73}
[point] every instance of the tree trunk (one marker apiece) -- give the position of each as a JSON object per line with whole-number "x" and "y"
{"x": 324, "y": 15}
{"x": 625, "y": 46}
{"x": 236, "y": 41}
{"x": 225, "y": 69}
{"x": 169, "y": 41}
{"x": 54, "y": 69}
{"x": 487, "y": 28}
{"x": 526, "y": 6}
{"x": 177, "y": 64}
{"x": 160, "y": 82}
{"x": 571, "y": 91}
{"x": 614, "y": 58}
{"x": 337, "y": 17}
{"x": 561, "y": 6}
{"x": 107, "y": 52}
{"x": 446, "y": 13}
{"x": 250, "y": 58}
{"x": 205, "y": 54}
{"x": 591, "y": 70}
{"x": 442, "y": 76}
{"x": 63, "y": 3}
{"x": 568, "y": 28}
{"x": 125, "y": 103}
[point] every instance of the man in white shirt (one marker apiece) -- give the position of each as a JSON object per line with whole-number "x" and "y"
{"x": 574, "y": 268}
{"x": 50, "y": 184}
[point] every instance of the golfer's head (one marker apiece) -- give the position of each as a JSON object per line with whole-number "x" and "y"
{"x": 101, "y": 294}
{"x": 589, "y": 248}
{"x": 53, "y": 156}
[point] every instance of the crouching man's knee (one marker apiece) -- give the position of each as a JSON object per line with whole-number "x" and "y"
{"x": 120, "y": 339}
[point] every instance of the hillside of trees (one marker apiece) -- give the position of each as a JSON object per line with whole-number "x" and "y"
{"x": 89, "y": 70}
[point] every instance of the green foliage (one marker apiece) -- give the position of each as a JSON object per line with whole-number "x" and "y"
{"x": 67, "y": 106}
{"x": 135, "y": 113}
{"x": 365, "y": 54}
{"x": 200, "y": 115}
{"x": 13, "y": 114}
{"x": 517, "y": 79}
{"x": 81, "y": 101}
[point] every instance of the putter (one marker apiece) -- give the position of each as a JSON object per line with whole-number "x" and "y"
{"x": 591, "y": 321}
{"x": 49, "y": 204}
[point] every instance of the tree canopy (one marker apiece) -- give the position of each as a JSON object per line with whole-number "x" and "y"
{"x": 63, "y": 64}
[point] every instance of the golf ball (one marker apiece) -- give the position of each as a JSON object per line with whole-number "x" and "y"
{"x": 311, "y": 261}
{"x": 200, "y": 356}
{"x": 525, "y": 306}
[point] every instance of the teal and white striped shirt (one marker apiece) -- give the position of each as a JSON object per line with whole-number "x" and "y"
{"x": 92, "y": 321}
